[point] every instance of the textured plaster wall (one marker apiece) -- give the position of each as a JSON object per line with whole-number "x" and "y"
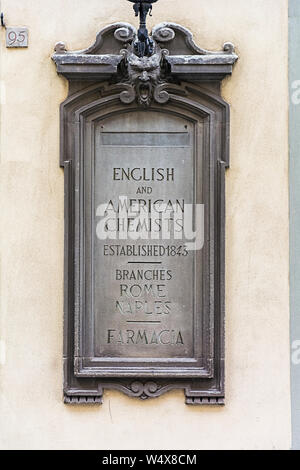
{"x": 257, "y": 414}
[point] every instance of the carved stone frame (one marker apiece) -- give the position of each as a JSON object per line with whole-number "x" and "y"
{"x": 189, "y": 83}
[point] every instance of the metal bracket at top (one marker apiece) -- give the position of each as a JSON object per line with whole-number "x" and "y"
{"x": 144, "y": 46}
{"x": 2, "y": 21}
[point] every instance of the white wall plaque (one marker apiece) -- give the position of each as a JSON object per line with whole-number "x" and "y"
{"x": 16, "y": 37}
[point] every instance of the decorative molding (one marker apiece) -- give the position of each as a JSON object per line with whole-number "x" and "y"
{"x": 60, "y": 48}
{"x": 166, "y": 32}
{"x": 125, "y": 34}
{"x": 145, "y": 78}
{"x": 122, "y": 32}
{"x": 168, "y": 81}
{"x": 144, "y": 390}
{"x": 105, "y": 58}
{"x": 205, "y": 401}
{"x": 163, "y": 33}
{"x": 199, "y": 101}
{"x": 84, "y": 400}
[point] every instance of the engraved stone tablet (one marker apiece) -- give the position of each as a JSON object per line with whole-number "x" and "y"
{"x": 16, "y": 37}
{"x": 143, "y": 284}
{"x": 144, "y": 289}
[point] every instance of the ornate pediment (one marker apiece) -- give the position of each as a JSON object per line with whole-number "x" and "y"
{"x": 172, "y": 49}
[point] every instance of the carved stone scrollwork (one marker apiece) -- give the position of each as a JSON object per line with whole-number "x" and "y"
{"x": 163, "y": 34}
{"x": 125, "y": 34}
{"x": 144, "y": 391}
{"x": 161, "y": 94}
{"x": 229, "y": 48}
{"x": 60, "y": 48}
{"x": 147, "y": 77}
{"x": 128, "y": 95}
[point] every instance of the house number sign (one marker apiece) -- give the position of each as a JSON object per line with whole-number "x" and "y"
{"x": 16, "y": 37}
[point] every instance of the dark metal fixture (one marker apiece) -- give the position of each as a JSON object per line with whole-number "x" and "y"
{"x": 144, "y": 46}
{"x": 2, "y": 21}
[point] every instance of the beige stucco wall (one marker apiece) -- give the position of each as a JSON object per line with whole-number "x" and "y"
{"x": 257, "y": 414}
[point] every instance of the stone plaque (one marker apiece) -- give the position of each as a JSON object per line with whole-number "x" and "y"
{"x": 144, "y": 146}
{"x": 16, "y": 37}
{"x": 143, "y": 290}
{"x": 143, "y": 285}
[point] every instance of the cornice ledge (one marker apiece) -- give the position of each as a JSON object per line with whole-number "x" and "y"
{"x": 115, "y": 45}
{"x": 84, "y": 59}
{"x": 212, "y": 59}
